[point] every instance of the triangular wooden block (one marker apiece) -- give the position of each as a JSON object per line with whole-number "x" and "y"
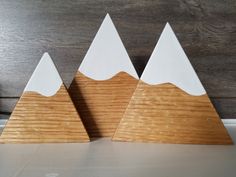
{"x": 170, "y": 104}
{"x": 45, "y": 112}
{"x": 104, "y": 83}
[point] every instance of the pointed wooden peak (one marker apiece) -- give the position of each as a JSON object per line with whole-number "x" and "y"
{"x": 107, "y": 55}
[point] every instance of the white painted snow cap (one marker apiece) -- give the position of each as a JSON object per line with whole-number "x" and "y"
{"x": 107, "y": 55}
{"x": 45, "y": 78}
{"x": 169, "y": 64}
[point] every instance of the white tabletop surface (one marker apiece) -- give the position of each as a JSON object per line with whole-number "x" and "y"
{"x": 104, "y": 158}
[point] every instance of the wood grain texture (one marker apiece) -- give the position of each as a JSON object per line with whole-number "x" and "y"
{"x": 166, "y": 114}
{"x": 40, "y": 119}
{"x": 224, "y": 106}
{"x": 206, "y": 30}
{"x": 101, "y": 104}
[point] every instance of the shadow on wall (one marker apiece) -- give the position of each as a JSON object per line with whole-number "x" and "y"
{"x": 140, "y": 63}
{"x": 75, "y": 90}
{"x": 4, "y": 116}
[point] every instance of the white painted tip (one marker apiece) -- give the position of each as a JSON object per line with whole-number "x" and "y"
{"x": 108, "y": 16}
{"x": 169, "y": 64}
{"x": 45, "y": 78}
{"x": 167, "y": 24}
{"x": 107, "y": 55}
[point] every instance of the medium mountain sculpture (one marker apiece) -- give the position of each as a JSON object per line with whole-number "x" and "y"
{"x": 104, "y": 83}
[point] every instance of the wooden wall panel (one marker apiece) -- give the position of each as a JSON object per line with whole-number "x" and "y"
{"x": 206, "y": 30}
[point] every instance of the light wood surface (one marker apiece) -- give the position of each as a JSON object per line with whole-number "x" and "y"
{"x": 104, "y": 158}
{"x": 40, "y": 119}
{"x": 166, "y": 114}
{"x": 101, "y": 104}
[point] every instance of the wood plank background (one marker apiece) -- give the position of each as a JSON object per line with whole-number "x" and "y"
{"x": 206, "y": 29}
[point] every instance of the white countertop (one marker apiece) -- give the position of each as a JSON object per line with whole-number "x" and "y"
{"x": 104, "y": 158}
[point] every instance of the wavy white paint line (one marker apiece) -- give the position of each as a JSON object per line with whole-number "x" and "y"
{"x": 107, "y": 55}
{"x": 169, "y": 64}
{"x": 45, "y": 79}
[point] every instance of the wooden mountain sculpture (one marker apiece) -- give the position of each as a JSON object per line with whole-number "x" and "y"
{"x": 45, "y": 112}
{"x": 170, "y": 104}
{"x": 104, "y": 83}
